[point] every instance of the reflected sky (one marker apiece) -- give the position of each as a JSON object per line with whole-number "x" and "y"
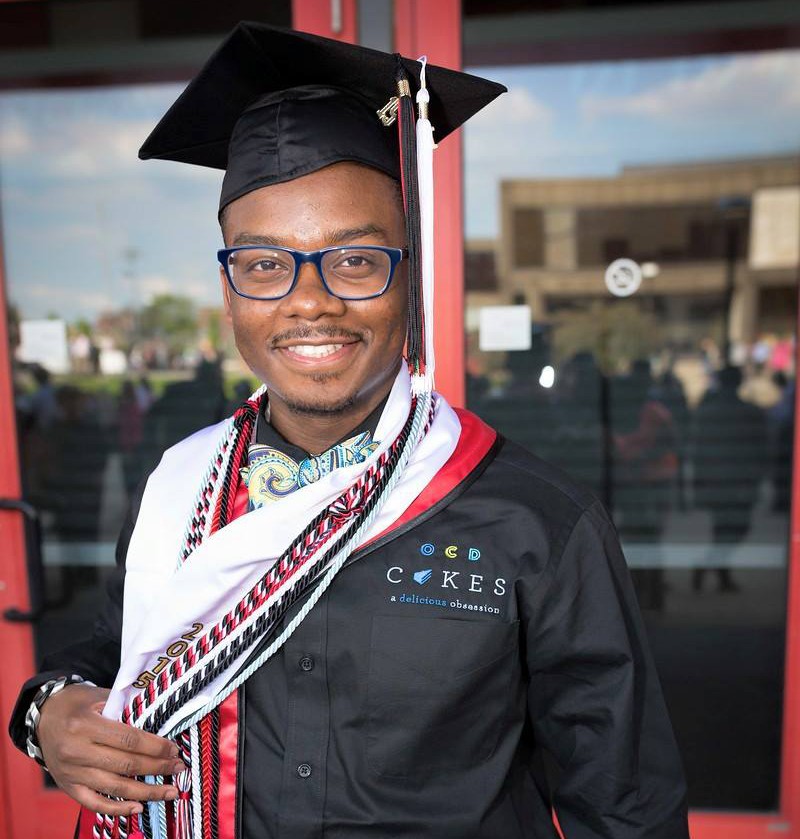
{"x": 590, "y": 120}
{"x": 87, "y": 227}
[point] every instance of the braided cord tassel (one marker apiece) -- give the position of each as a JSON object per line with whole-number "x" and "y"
{"x": 261, "y": 608}
{"x": 183, "y": 782}
{"x": 420, "y": 424}
{"x": 347, "y": 519}
{"x": 201, "y": 524}
{"x": 197, "y": 800}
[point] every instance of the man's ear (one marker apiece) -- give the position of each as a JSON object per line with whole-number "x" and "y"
{"x": 226, "y": 293}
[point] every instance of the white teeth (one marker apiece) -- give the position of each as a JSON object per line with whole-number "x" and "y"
{"x": 310, "y": 351}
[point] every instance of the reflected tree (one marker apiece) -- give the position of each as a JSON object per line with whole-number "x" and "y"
{"x": 615, "y": 333}
{"x": 170, "y": 319}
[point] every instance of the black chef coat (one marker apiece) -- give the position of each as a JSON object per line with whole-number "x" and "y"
{"x": 461, "y": 675}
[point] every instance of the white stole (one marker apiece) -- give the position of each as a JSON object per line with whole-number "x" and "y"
{"x": 163, "y": 601}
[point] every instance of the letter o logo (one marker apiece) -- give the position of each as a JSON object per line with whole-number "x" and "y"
{"x": 427, "y": 549}
{"x": 451, "y": 552}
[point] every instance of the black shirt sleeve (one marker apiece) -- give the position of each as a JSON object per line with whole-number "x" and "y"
{"x": 595, "y": 701}
{"x": 95, "y": 658}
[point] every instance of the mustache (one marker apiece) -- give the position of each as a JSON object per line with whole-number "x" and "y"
{"x": 307, "y": 332}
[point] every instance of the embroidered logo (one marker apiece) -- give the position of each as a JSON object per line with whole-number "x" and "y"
{"x": 457, "y": 574}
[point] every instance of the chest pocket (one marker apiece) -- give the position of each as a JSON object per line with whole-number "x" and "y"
{"x": 438, "y": 692}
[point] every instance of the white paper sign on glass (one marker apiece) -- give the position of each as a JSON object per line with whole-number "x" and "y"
{"x": 44, "y": 342}
{"x": 505, "y": 328}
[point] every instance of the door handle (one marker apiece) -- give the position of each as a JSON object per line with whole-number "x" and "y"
{"x": 33, "y": 531}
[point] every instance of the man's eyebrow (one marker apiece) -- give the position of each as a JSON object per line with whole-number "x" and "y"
{"x": 339, "y": 236}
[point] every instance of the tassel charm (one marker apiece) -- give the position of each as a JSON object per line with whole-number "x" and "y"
{"x": 184, "y": 828}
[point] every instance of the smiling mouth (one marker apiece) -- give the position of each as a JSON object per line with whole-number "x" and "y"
{"x": 314, "y": 350}
{"x": 314, "y": 353}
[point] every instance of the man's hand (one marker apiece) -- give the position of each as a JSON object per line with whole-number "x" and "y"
{"x": 88, "y": 754}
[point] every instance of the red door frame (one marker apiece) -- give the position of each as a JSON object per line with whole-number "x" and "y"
{"x": 37, "y": 812}
{"x": 435, "y": 29}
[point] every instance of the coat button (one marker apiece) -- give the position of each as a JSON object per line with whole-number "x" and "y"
{"x": 307, "y": 663}
{"x": 304, "y": 770}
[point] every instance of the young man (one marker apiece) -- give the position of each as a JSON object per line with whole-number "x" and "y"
{"x": 385, "y": 619}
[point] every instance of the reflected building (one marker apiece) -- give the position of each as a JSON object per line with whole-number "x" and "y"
{"x": 674, "y": 405}
{"x": 683, "y": 224}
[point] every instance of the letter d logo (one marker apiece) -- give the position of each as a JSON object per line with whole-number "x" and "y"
{"x": 474, "y": 555}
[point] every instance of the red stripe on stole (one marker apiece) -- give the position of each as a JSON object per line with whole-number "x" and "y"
{"x": 474, "y": 443}
{"x": 229, "y": 744}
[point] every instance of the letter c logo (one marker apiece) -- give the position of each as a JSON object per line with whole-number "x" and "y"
{"x": 451, "y": 552}
{"x": 389, "y": 574}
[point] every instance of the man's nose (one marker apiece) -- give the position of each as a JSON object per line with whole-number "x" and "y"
{"x": 309, "y": 298}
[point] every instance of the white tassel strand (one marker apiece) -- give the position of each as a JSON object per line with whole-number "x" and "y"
{"x": 425, "y": 147}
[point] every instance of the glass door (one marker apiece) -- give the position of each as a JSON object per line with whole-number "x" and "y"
{"x": 632, "y": 247}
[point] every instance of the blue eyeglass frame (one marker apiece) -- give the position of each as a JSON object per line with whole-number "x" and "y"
{"x": 396, "y": 256}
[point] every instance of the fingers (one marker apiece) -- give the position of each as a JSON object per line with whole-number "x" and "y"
{"x": 131, "y": 763}
{"x": 127, "y": 789}
{"x": 129, "y": 739}
{"x": 99, "y": 804}
{"x": 90, "y": 757}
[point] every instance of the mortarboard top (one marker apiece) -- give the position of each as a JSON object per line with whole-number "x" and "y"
{"x": 272, "y": 104}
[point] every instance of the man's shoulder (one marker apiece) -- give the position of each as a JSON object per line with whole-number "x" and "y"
{"x": 540, "y": 478}
{"x": 517, "y": 478}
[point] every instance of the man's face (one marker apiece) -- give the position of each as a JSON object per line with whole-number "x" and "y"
{"x": 342, "y": 204}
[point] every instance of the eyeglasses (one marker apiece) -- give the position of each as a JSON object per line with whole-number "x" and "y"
{"x": 350, "y": 273}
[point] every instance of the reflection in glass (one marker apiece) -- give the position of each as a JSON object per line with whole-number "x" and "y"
{"x": 119, "y": 344}
{"x": 674, "y": 402}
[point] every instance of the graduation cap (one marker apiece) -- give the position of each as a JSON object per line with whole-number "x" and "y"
{"x": 271, "y": 105}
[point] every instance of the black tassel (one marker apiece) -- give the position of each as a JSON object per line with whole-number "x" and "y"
{"x": 408, "y": 162}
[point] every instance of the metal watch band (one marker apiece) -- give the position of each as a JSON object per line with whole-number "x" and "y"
{"x": 47, "y": 690}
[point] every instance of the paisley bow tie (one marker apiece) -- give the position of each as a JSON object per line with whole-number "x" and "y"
{"x": 270, "y": 474}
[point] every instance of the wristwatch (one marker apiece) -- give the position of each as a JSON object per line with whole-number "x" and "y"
{"x": 44, "y": 693}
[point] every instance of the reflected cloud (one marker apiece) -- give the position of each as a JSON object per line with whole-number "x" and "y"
{"x": 518, "y": 106}
{"x": 15, "y": 139}
{"x": 592, "y": 120}
{"x": 155, "y": 285}
{"x": 56, "y": 297}
{"x": 722, "y": 92}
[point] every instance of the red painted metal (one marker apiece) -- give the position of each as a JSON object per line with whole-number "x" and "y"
{"x": 317, "y": 17}
{"x": 740, "y": 826}
{"x": 434, "y": 29}
{"x": 790, "y": 768}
